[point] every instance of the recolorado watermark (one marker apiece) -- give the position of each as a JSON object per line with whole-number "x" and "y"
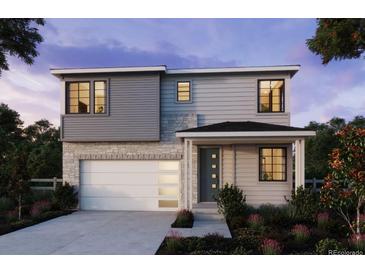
{"x": 344, "y": 252}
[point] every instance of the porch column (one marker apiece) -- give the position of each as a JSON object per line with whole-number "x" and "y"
{"x": 185, "y": 173}
{"x": 299, "y": 163}
{"x": 190, "y": 174}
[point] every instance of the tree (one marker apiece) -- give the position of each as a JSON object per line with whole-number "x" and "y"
{"x": 338, "y": 39}
{"x": 320, "y": 146}
{"x": 10, "y": 136}
{"x": 18, "y": 181}
{"x": 344, "y": 188}
{"x": 45, "y": 158}
{"x": 19, "y": 37}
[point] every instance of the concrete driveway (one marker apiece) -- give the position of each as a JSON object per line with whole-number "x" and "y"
{"x": 92, "y": 232}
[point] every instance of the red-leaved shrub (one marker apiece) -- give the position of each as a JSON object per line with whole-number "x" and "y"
{"x": 271, "y": 247}
{"x": 323, "y": 219}
{"x": 301, "y": 233}
{"x": 255, "y": 221}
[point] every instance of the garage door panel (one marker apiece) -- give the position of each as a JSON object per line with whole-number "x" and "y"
{"x": 129, "y": 185}
{"x": 119, "y": 178}
{"x": 116, "y": 166}
{"x": 119, "y": 203}
{"x": 148, "y": 191}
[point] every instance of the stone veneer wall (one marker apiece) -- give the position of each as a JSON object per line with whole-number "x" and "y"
{"x": 169, "y": 148}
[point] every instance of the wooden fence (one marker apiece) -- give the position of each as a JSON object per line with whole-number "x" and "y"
{"x": 45, "y": 184}
{"x": 314, "y": 184}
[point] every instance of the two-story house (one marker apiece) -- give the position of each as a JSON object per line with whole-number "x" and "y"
{"x": 153, "y": 138}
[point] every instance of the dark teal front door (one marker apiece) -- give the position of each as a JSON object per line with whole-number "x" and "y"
{"x": 209, "y": 173}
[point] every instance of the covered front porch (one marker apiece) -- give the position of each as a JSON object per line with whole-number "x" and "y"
{"x": 256, "y": 157}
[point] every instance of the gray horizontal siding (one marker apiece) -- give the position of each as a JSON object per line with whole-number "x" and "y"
{"x": 219, "y": 98}
{"x": 134, "y": 113}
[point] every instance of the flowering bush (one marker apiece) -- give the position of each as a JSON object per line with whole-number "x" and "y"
{"x": 255, "y": 221}
{"x": 39, "y": 207}
{"x": 270, "y": 247}
{"x": 323, "y": 220}
{"x": 301, "y": 233}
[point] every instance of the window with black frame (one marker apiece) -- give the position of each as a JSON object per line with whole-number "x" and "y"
{"x": 78, "y": 97}
{"x": 183, "y": 92}
{"x": 271, "y": 96}
{"x": 272, "y": 164}
{"x": 99, "y": 97}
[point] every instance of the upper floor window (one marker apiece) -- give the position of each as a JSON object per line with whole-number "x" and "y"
{"x": 99, "y": 97}
{"x": 183, "y": 91}
{"x": 78, "y": 97}
{"x": 271, "y": 96}
{"x": 272, "y": 164}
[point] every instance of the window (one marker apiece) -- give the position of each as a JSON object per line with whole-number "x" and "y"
{"x": 183, "y": 91}
{"x": 272, "y": 164}
{"x": 78, "y": 97}
{"x": 99, "y": 97}
{"x": 271, "y": 96}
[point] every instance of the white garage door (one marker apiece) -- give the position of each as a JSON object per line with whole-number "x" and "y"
{"x": 129, "y": 185}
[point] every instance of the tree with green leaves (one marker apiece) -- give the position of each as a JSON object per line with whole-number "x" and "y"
{"x": 11, "y": 134}
{"x": 18, "y": 180}
{"x": 338, "y": 39}
{"x": 19, "y": 37}
{"x": 45, "y": 157}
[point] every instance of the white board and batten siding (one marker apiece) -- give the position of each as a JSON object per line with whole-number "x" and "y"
{"x": 247, "y": 177}
{"x": 129, "y": 185}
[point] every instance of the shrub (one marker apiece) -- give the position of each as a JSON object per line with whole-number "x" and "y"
{"x": 323, "y": 220}
{"x": 212, "y": 241}
{"x": 301, "y": 233}
{"x": 12, "y": 215}
{"x": 208, "y": 252}
{"x": 6, "y": 204}
{"x": 65, "y": 196}
{"x": 304, "y": 204}
{"x": 231, "y": 201}
{"x": 323, "y": 246}
{"x": 275, "y": 215}
{"x": 40, "y": 207}
{"x": 174, "y": 243}
{"x": 247, "y": 238}
{"x": 358, "y": 242}
{"x": 236, "y": 222}
{"x": 255, "y": 221}
{"x": 270, "y": 247}
{"x": 184, "y": 219}
{"x": 240, "y": 250}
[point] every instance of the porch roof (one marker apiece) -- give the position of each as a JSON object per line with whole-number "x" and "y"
{"x": 245, "y": 129}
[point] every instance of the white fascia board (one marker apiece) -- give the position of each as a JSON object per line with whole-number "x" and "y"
{"x": 106, "y": 70}
{"x": 248, "y": 134}
{"x": 293, "y": 68}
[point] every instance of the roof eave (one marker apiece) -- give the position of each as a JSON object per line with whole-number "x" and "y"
{"x": 64, "y": 71}
{"x": 230, "y": 134}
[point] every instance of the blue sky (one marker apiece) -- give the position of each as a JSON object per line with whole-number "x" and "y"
{"x": 318, "y": 92}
